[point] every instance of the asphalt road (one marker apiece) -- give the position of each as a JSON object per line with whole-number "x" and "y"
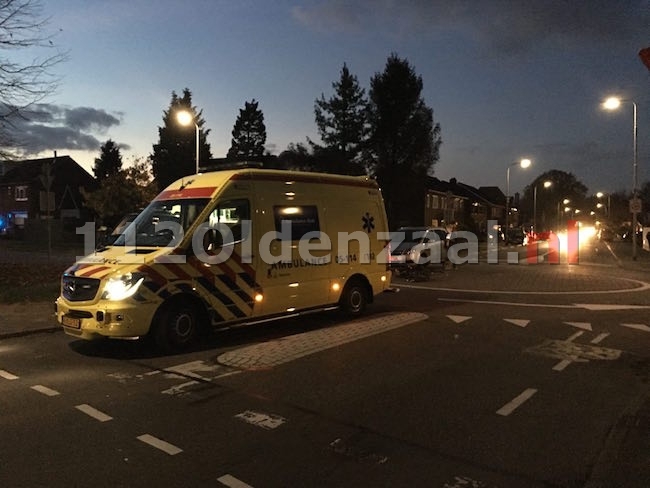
{"x": 484, "y": 376}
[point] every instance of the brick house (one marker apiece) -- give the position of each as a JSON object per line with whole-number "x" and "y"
{"x": 23, "y": 196}
{"x": 453, "y": 204}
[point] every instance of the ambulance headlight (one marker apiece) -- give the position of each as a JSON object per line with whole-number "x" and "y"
{"x": 121, "y": 287}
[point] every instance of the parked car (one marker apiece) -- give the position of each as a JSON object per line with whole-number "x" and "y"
{"x": 417, "y": 246}
{"x": 517, "y": 236}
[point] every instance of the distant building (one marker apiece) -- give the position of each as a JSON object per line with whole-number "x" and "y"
{"x": 453, "y": 204}
{"x": 24, "y": 198}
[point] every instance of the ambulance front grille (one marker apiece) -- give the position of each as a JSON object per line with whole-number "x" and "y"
{"x": 76, "y": 289}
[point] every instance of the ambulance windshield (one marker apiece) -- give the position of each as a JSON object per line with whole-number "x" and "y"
{"x": 162, "y": 223}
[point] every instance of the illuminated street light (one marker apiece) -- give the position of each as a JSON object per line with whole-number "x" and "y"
{"x": 547, "y": 184}
{"x": 564, "y": 202}
{"x": 524, "y": 163}
{"x": 185, "y": 117}
{"x": 599, "y": 195}
{"x": 613, "y": 103}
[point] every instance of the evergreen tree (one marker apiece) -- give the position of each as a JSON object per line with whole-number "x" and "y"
{"x": 125, "y": 191}
{"x": 404, "y": 142}
{"x": 342, "y": 119}
{"x": 248, "y": 134}
{"x": 109, "y": 162}
{"x": 175, "y": 154}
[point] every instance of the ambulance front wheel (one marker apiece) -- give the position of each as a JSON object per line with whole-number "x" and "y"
{"x": 354, "y": 298}
{"x": 176, "y": 327}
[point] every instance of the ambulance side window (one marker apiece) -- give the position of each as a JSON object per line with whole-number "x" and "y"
{"x": 300, "y": 220}
{"x": 227, "y": 222}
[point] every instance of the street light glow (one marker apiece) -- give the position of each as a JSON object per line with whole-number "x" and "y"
{"x": 612, "y": 103}
{"x": 548, "y": 184}
{"x": 184, "y": 117}
{"x": 600, "y": 194}
{"x": 524, "y": 163}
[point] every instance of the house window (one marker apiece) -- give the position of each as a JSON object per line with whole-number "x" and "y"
{"x": 20, "y": 193}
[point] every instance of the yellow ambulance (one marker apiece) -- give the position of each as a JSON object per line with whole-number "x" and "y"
{"x": 229, "y": 247}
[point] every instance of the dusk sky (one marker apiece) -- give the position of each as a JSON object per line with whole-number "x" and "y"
{"x": 505, "y": 79}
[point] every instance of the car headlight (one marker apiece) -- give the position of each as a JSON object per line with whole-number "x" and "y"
{"x": 121, "y": 287}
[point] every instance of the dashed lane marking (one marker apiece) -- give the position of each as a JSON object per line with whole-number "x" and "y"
{"x": 514, "y": 404}
{"x": 159, "y": 444}
{"x": 45, "y": 390}
{"x": 94, "y": 413}
{"x": 599, "y": 338}
{"x": 232, "y": 482}
{"x": 562, "y": 365}
{"x": 573, "y": 337}
{"x": 7, "y": 375}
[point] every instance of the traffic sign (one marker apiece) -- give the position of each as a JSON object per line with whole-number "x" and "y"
{"x": 635, "y": 205}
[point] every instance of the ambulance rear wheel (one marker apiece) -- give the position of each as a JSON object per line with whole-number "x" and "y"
{"x": 177, "y": 327}
{"x": 354, "y": 298}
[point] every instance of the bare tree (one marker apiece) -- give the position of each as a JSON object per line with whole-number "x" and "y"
{"x": 22, "y": 83}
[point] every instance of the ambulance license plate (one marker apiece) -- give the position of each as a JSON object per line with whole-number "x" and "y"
{"x": 71, "y": 322}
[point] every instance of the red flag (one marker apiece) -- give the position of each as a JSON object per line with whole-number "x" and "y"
{"x": 644, "y": 54}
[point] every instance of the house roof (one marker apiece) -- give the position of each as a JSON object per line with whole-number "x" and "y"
{"x": 490, "y": 195}
{"x": 30, "y": 170}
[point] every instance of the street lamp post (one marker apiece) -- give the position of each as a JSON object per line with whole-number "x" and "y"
{"x": 185, "y": 117}
{"x": 524, "y": 163}
{"x": 599, "y": 195}
{"x": 614, "y": 103}
{"x": 547, "y": 184}
{"x": 564, "y": 202}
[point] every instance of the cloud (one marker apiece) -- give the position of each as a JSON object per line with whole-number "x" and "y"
{"x": 45, "y": 127}
{"x": 502, "y": 26}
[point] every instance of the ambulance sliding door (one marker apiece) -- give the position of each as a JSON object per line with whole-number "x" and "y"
{"x": 292, "y": 281}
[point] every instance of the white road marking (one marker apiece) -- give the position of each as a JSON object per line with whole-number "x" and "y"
{"x": 458, "y": 319}
{"x": 642, "y": 327}
{"x": 580, "y": 325}
{"x": 193, "y": 368}
{"x": 599, "y": 338}
{"x": 464, "y": 482}
{"x": 640, "y": 286}
{"x": 273, "y": 353}
{"x": 165, "y": 447}
{"x": 7, "y": 375}
{"x": 266, "y": 421}
{"x": 587, "y": 306}
{"x": 561, "y": 365}
{"x": 516, "y": 304}
{"x": 518, "y": 322}
{"x": 607, "y": 306}
{"x": 232, "y": 482}
{"x": 511, "y": 406}
{"x": 573, "y": 337}
{"x": 94, "y": 413}
{"x": 45, "y": 390}
{"x": 178, "y": 389}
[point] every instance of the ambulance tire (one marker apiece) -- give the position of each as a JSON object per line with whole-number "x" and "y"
{"x": 354, "y": 298}
{"x": 176, "y": 328}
